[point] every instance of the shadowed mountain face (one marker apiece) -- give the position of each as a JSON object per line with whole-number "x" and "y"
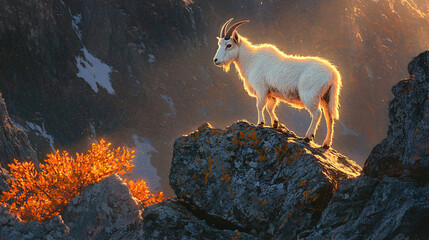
{"x": 140, "y": 72}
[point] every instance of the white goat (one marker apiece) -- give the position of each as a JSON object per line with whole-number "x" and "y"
{"x": 272, "y": 76}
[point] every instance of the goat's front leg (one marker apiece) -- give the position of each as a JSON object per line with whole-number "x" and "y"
{"x": 261, "y": 101}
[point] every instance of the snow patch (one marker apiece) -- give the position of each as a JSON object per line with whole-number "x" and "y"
{"x": 170, "y": 103}
{"x": 122, "y": 12}
{"x": 151, "y": 58}
{"x": 143, "y": 167}
{"x": 40, "y": 131}
{"x": 94, "y": 133}
{"x": 91, "y": 69}
{"x": 348, "y": 131}
{"x": 75, "y": 24}
{"x": 20, "y": 126}
{"x": 369, "y": 71}
{"x": 94, "y": 71}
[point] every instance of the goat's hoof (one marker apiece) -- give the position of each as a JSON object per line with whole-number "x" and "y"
{"x": 309, "y": 139}
{"x": 275, "y": 124}
{"x": 261, "y": 124}
{"x": 326, "y": 147}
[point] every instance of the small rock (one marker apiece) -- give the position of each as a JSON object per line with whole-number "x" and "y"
{"x": 102, "y": 209}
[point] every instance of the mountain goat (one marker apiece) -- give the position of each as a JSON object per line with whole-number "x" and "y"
{"x": 273, "y": 76}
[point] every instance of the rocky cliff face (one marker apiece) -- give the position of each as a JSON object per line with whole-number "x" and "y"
{"x": 14, "y": 144}
{"x": 405, "y": 151}
{"x": 249, "y": 182}
{"x": 367, "y": 208}
{"x": 391, "y": 199}
{"x": 11, "y": 227}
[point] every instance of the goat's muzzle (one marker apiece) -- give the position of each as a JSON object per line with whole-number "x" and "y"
{"x": 217, "y": 62}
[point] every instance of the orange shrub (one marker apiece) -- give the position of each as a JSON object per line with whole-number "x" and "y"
{"x": 39, "y": 195}
{"x": 140, "y": 190}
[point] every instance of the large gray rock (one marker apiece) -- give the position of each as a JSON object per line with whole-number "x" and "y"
{"x": 407, "y": 144}
{"x": 108, "y": 210}
{"x": 14, "y": 143}
{"x": 391, "y": 199}
{"x": 173, "y": 220}
{"x": 102, "y": 209}
{"x": 365, "y": 208}
{"x": 262, "y": 180}
{"x": 11, "y": 227}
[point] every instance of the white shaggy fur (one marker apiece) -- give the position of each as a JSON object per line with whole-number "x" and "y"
{"x": 272, "y": 76}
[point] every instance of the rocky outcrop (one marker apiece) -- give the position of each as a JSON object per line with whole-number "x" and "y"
{"x": 261, "y": 180}
{"x": 14, "y": 143}
{"x": 108, "y": 210}
{"x": 11, "y": 227}
{"x": 102, "y": 209}
{"x": 366, "y": 208}
{"x": 405, "y": 151}
{"x": 391, "y": 199}
{"x": 174, "y": 220}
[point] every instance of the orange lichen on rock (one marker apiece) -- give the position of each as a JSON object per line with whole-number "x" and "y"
{"x": 210, "y": 162}
{"x": 206, "y": 178}
{"x": 262, "y": 158}
{"x": 237, "y": 237}
{"x": 39, "y": 195}
{"x": 235, "y": 140}
{"x": 195, "y": 136}
{"x": 309, "y": 197}
{"x": 225, "y": 177}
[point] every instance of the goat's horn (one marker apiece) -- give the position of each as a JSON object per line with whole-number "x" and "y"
{"x": 233, "y": 27}
{"x": 222, "y": 30}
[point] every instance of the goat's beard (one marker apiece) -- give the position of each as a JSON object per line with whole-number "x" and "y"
{"x": 226, "y": 66}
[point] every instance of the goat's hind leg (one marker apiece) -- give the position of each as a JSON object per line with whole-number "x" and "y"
{"x": 315, "y": 120}
{"x": 329, "y": 125}
{"x": 271, "y": 107}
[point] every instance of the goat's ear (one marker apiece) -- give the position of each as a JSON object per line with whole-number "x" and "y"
{"x": 236, "y": 37}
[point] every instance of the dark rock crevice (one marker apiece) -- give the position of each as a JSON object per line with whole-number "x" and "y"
{"x": 211, "y": 220}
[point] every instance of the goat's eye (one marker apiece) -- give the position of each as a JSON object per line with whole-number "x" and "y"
{"x": 228, "y": 46}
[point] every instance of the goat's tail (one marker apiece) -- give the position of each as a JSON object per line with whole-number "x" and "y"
{"x": 334, "y": 93}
